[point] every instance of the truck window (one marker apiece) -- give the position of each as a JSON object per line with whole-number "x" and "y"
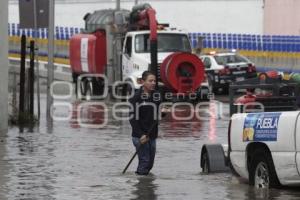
{"x": 165, "y": 43}
{"x": 128, "y": 46}
{"x": 227, "y": 59}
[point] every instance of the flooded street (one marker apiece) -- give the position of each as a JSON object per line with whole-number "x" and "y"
{"x": 67, "y": 161}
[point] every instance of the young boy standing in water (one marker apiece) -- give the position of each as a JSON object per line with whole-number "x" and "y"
{"x": 144, "y": 122}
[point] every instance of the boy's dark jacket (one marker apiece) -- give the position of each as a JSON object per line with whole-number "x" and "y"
{"x": 143, "y": 118}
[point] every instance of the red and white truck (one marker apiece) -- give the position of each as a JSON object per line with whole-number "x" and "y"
{"x": 121, "y": 44}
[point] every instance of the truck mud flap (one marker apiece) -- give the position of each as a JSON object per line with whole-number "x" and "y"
{"x": 213, "y": 159}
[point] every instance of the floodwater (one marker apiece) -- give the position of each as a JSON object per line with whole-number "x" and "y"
{"x": 75, "y": 158}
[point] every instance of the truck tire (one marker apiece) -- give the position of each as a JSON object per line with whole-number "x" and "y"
{"x": 82, "y": 90}
{"x": 126, "y": 91}
{"x": 88, "y": 91}
{"x": 205, "y": 164}
{"x": 262, "y": 172}
{"x": 200, "y": 96}
{"x": 213, "y": 158}
{"x": 212, "y": 87}
{"x": 98, "y": 87}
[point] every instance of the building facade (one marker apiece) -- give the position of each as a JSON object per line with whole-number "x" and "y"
{"x": 281, "y": 17}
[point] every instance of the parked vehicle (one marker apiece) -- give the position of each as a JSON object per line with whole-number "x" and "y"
{"x": 263, "y": 145}
{"x": 268, "y": 92}
{"x": 225, "y": 68}
{"x": 121, "y": 44}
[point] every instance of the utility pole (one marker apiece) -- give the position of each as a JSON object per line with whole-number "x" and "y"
{"x": 4, "y": 67}
{"x": 118, "y": 6}
{"x": 50, "y": 57}
{"x": 37, "y": 57}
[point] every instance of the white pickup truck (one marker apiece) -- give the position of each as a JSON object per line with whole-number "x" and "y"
{"x": 263, "y": 148}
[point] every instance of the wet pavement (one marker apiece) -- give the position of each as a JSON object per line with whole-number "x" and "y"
{"x": 75, "y": 158}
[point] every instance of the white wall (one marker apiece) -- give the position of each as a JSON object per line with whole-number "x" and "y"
{"x": 226, "y": 16}
{"x": 3, "y": 66}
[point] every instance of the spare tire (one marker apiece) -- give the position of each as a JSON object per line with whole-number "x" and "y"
{"x": 182, "y": 72}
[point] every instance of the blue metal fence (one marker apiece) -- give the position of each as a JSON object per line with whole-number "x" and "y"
{"x": 278, "y": 43}
{"x": 61, "y": 33}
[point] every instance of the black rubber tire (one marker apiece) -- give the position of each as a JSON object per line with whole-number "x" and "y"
{"x": 88, "y": 92}
{"x": 82, "y": 89}
{"x": 98, "y": 87}
{"x": 205, "y": 163}
{"x": 261, "y": 156}
{"x": 126, "y": 91}
{"x": 76, "y": 89}
{"x": 212, "y": 87}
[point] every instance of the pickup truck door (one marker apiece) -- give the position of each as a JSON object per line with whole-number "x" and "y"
{"x": 297, "y": 143}
{"x": 127, "y": 57}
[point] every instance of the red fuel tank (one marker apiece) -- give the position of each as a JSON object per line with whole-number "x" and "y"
{"x": 88, "y": 53}
{"x": 182, "y": 72}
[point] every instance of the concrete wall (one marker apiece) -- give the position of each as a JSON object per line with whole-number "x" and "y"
{"x": 3, "y": 66}
{"x": 281, "y": 17}
{"x": 223, "y": 16}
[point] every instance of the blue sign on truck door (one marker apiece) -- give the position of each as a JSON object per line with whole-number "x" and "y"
{"x": 261, "y": 127}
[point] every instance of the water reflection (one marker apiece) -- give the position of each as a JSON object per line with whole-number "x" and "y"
{"x": 145, "y": 188}
{"x": 57, "y": 161}
{"x": 239, "y": 189}
{"x": 3, "y": 168}
{"x": 29, "y": 161}
{"x": 182, "y": 122}
{"x": 212, "y": 121}
{"x": 89, "y": 114}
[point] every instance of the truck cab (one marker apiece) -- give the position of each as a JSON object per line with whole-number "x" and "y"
{"x": 264, "y": 147}
{"x": 136, "y": 52}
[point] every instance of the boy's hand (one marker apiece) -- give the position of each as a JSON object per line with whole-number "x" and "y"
{"x": 166, "y": 109}
{"x": 144, "y": 139}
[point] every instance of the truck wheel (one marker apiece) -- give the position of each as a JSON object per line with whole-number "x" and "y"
{"x": 98, "y": 87}
{"x": 82, "y": 90}
{"x": 88, "y": 92}
{"x": 126, "y": 92}
{"x": 200, "y": 96}
{"x": 212, "y": 159}
{"x": 205, "y": 162}
{"x": 262, "y": 172}
{"x": 211, "y": 87}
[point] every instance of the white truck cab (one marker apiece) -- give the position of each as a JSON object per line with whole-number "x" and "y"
{"x": 136, "y": 51}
